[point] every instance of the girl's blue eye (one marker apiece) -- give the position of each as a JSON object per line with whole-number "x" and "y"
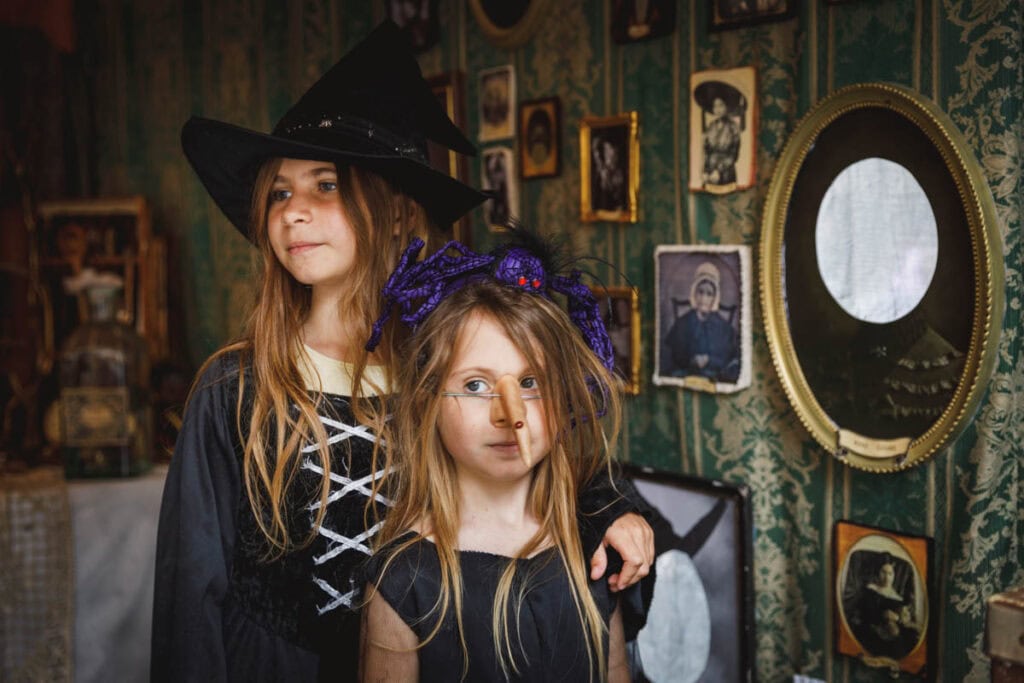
{"x": 476, "y": 386}
{"x": 529, "y": 383}
{"x": 328, "y": 186}
{"x": 279, "y": 195}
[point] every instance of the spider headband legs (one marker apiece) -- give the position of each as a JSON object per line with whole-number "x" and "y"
{"x": 417, "y": 287}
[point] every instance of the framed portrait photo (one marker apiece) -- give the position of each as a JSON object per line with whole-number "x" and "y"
{"x": 636, "y": 20}
{"x": 700, "y": 625}
{"x": 620, "y": 310}
{"x": 610, "y": 167}
{"x": 883, "y": 598}
{"x": 540, "y": 138}
{"x": 499, "y": 176}
{"x": 723, "y": 129}
{"x": 497, "y": 103}
{"x": 418, "y": 21}
{"x": 703, "y": 317}
{"x": 729, "y": 14}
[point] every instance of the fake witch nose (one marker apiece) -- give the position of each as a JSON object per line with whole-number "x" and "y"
{"x": 510, "y": 408}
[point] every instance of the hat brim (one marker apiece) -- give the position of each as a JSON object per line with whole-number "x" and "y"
{"x": 227, "y": 158}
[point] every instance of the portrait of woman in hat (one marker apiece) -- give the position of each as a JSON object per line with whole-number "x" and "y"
{"x": 724, "y": 108}
{"x": 276, "y": 486}
{"x": 701, "y": 342}
{"x": 723, "y": 129}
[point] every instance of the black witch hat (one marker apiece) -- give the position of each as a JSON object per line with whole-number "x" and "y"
{"x": 373, "y": 109}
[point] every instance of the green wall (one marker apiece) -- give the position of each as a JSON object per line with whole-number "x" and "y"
{"x": 244, "y": 60}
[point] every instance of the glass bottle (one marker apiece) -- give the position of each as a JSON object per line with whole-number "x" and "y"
{"x": 106, "y": 423}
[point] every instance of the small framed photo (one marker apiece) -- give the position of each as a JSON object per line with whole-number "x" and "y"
{"x": 729, "y": 14}
{"x": 723, "y": 129}
{"x": 540, "y": 138}
{"x": 703, "y": 317}
{"x": 700, "y": 625}
{"x": 883, "y": 598}
{"x": 497, "y": 103}
{"x": 620, "y": 310}
{"x": 499, "y": 177}
{"x": 418, "y": 20}
{"x": 610, "y": 167}
{"x": 448, "y": 88}
{"x": 636, "y": 20}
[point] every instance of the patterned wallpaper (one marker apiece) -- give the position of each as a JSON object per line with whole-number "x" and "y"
{"x": 244, "y": 60}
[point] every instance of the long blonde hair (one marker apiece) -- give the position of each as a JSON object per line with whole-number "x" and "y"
{"x": 279, "y": 416}
{"x": 423, "y": 480}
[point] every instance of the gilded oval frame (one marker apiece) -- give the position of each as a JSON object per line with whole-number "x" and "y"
{"x": 517, "y": 34}
{"x": 859, "y": 451}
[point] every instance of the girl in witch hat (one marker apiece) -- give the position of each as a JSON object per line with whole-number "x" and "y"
{"x": 272, "y": 501}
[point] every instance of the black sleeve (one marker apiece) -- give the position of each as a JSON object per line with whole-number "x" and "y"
{"x": 602, "y": 501}
{"x": 196, "y": 535}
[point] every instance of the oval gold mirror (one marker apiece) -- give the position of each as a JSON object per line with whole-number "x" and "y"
{"x": 881, "y": 276}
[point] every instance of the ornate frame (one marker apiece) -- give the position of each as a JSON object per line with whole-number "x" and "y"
{"x": 975, "y": 200}
{"x": 859, "y": 550}
{"x": 630, "y": 212}
{"x": 508, "y": 31}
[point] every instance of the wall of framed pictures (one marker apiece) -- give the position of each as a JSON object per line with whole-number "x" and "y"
{"x": 965, "y": 496}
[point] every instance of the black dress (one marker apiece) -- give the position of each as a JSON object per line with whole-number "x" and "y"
{"x": 223, "y": 613}
{"x": 551, "y": 636}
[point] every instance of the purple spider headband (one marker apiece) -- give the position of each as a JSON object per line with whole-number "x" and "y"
{"x": 417, "y": 287}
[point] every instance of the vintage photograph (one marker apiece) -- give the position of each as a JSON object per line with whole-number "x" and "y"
{"x": 610, "y": 167}
{"x": 418, "y": 21}
{"x": 448, "y": 88}
{"x": 635, "y": 20}
{"x": 498, "y": 164}
{"x": 620, "y": 309}
{"x": 703, "y": 316}
{"x": 497, "y": 89}
{"x": 728, "y": 14}
{"x": 723, "y": 129}
{"x": 883, "y": 598}
{"x": 700, "y": 625}
{"x": 540, "y": 138}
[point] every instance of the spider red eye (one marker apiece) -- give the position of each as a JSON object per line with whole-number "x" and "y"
{"x": 522, "y": 280}
{"x": 536, "y": 284}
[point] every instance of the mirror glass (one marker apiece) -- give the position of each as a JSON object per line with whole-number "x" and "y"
{"x": 881, "y": 274}
{"x": 876, "y": 240}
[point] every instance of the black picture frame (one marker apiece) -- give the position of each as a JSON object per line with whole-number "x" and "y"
{"x": 633, "y": 22}
{"x": 724, "y": 15}
{"x": 417, "y": 20}
{"x": 702, "y": 609}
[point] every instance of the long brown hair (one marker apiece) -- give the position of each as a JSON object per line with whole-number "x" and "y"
{"x": 281, "y": 414}
{"x": 423, "y": 475}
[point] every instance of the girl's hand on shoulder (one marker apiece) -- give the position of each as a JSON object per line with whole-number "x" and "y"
{"x": 632, "y": 537}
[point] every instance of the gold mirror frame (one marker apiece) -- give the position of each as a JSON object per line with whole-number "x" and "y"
{"x": 859, "y": 451}
{"x": 517, "y": 34}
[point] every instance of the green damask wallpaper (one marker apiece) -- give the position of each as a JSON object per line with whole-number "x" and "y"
{"x": 244, "y": 60}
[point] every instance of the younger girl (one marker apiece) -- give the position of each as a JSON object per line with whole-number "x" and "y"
{"x": 268, "y": 507}
{"x": 481, "y": 575}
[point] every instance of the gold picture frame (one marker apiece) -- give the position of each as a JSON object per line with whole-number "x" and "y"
{"x": 620, "y": 310}
{"x": 610, "y": 168}
{"x": 838, "y": 371}
{"x": 540, "y": 138}
{"x": 883, "y": 598}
